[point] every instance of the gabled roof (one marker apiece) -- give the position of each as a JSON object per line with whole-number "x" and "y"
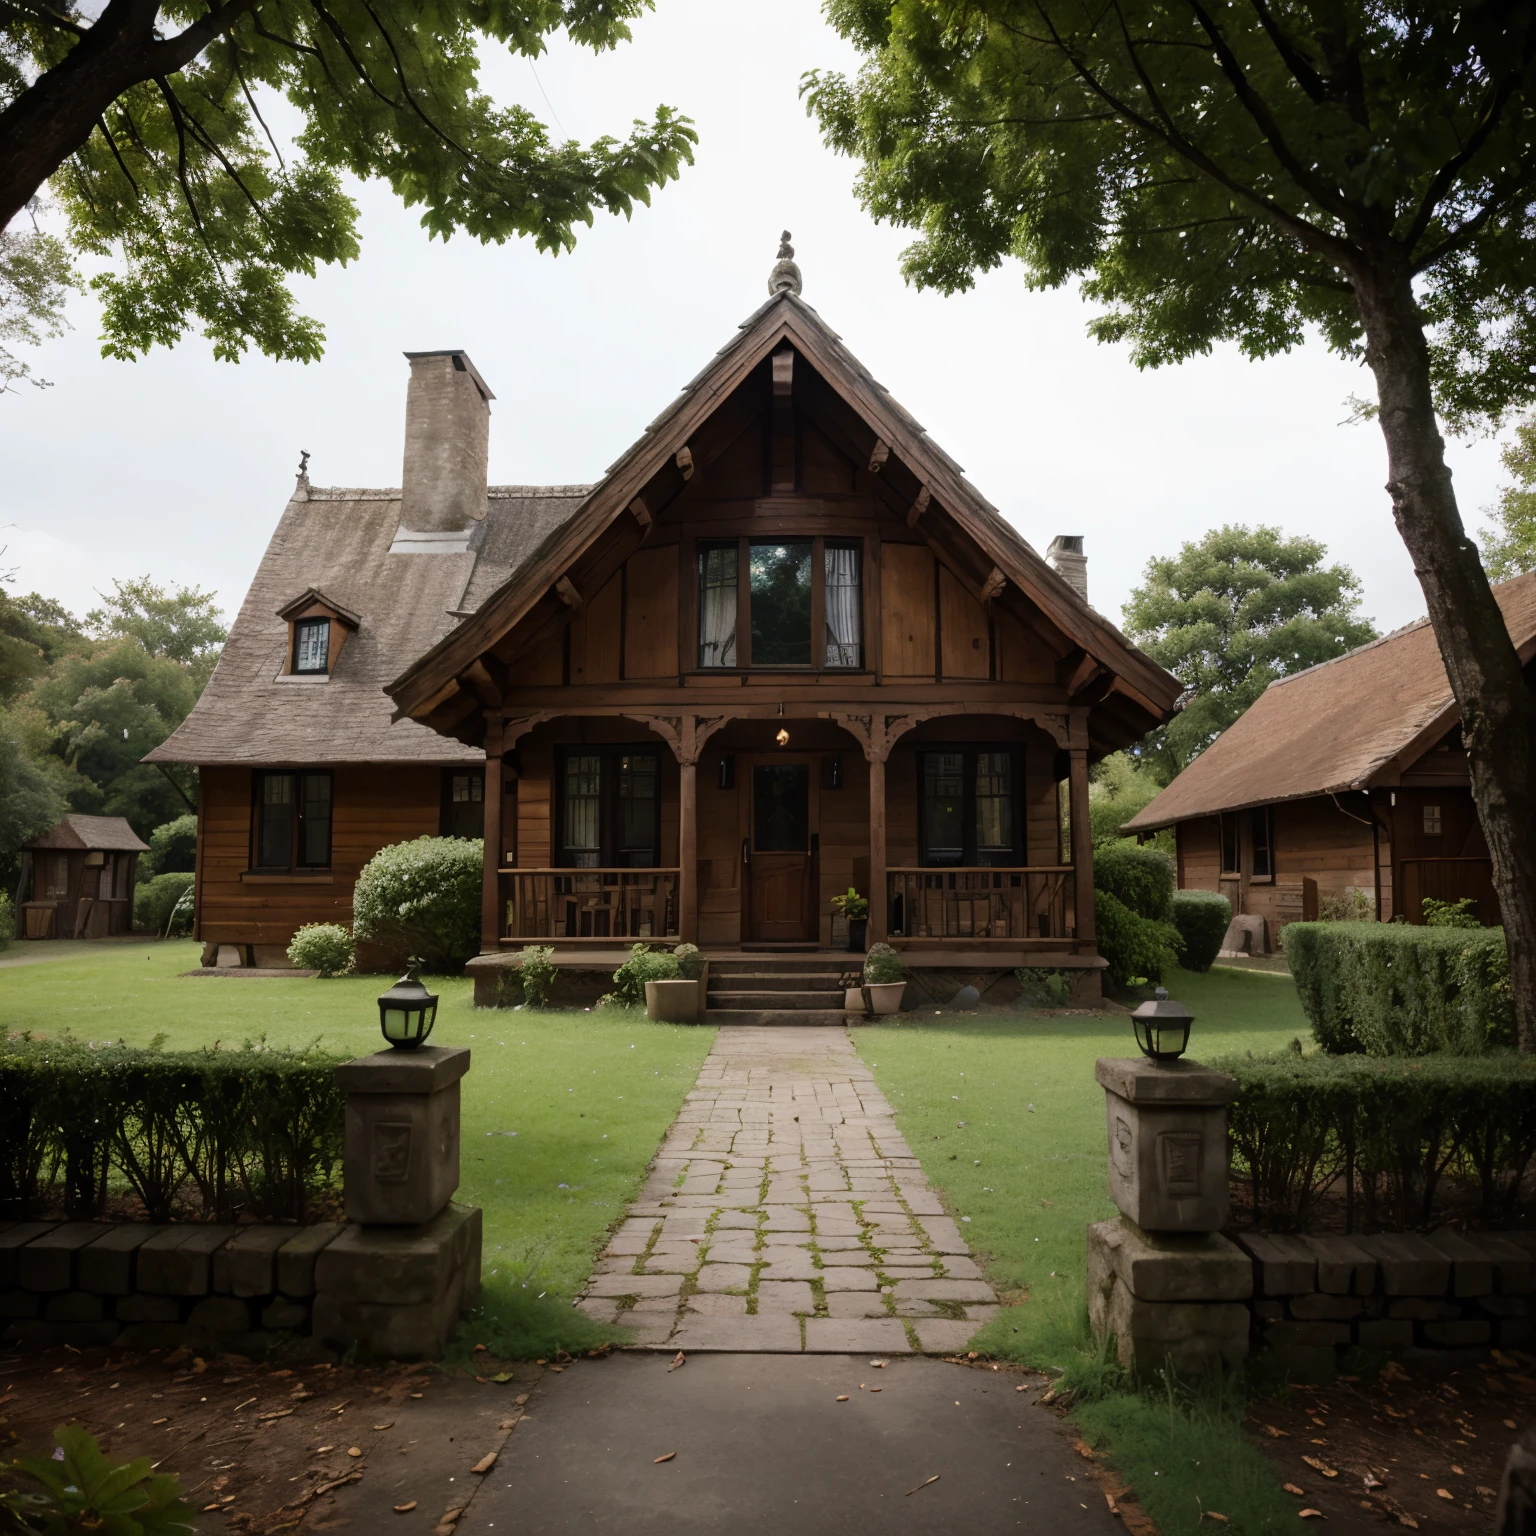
{"x": 94, "y": 834}
{"x": 334, "y": 544}
{"x": 784, "y": 317}
{"x": 1342, "y": 725}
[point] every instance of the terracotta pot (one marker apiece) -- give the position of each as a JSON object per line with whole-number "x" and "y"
{"x": 673, "y": 1002}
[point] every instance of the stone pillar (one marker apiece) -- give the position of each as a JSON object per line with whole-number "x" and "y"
{"x": 395, "y": 1282}
{"x": 1161, "y": 1277}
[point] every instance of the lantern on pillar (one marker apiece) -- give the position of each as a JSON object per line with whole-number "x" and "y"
{"x": 407, "y": 1011}
{"x": 1162, "y": 1027}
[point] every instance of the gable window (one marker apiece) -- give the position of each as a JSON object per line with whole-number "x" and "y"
{"x": 793, "y": 589}
{"x": 293, "y": 821}
{"x": 463, "y": 802}
{"x": 969, "y": 807}
{"x": 312, "y": 645}
{"x": 610, "y": 815}
{"x": 1262, "y": 823}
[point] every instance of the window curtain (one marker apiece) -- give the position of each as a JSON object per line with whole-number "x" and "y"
{"x": 842, "y": 607}
{"x": 717, "y": 608}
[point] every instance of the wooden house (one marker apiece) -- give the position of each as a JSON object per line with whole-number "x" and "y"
{"x": 77, "y": 880}
{"x": 1348, "y": 777}
{"x": 783, "y": 648}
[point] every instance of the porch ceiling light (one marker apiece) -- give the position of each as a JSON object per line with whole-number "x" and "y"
{"x": 783, "y": 737}
{"x": 407, "y": 1011}
{"x": 1162, "y": 1027}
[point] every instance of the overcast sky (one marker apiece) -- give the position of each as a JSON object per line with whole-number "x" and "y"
{"x": 179, "y": 466}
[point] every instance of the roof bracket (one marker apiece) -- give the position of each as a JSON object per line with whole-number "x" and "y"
{"x": 567, "y": 593}
{"x": 642, "y": 513}
{"x": 878, "y": 455}
{"x": 924, "y": 496}
{"x": 684, "y": 462}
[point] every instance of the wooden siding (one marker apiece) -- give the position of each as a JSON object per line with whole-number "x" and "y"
{"x": 595, "y": 636}
{"x": 967, "y": 641}
{"x": 906, "y": 602}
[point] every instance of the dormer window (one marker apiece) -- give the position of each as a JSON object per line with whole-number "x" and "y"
{"x": 312, "y": 645}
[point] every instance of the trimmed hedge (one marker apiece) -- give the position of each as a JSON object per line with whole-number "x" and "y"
{"x": 1393, "y": 1131}
{"x": 323, "y": 947}
{"x": 203, "y": 1134}
{"x": 1140, "y": 878}
{"x": 422, "y": 899}
{"x": 1388, "y": 989}
{"x": 1134, "y": 947}
{"x": 155, "y": 902}
{"x": 1202, "y": 918}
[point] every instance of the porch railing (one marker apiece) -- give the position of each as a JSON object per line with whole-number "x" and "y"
{"x": 1024, "y": 902}
{"x": 575, "y": 904}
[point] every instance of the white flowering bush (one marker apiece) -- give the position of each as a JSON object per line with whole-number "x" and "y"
{"x": 422, "y": 899}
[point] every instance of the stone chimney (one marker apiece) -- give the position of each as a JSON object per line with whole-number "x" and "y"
{"x": 1066, "y": 558}
{"x": 447, "y": 431}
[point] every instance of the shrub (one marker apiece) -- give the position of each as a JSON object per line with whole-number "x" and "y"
{"x": 531, "y": 980}
{"x": 83, "y": 1491}
{"x": 1351, "y": 905}
{"x": 1139, "y": 878}
{"x": 211, "y": 1134}
{"x": 1039, "y": 988}
{"x": 1202, "y": 918}
{"x": 1450, "y": 914}
{"x": 172, "y": 848}
{"x": 7, "y": 920}
{"x": 1391, "y": 1129}
{"x": 690, "y": 961}
{"x": 644, "y": 964}
{"x": 323, "y": 947}
{"x": 422, "y": 899}
{"x": 1135, "y": 948}
{"x": 1388, "y": 989}
{"x": 882, "y": 965}
{"x": 155, "y": 903}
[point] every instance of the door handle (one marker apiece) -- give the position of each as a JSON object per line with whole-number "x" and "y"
{"x": 746, "y": 850}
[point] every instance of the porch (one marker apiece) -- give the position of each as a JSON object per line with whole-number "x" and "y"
{"x": 736, "y": 833}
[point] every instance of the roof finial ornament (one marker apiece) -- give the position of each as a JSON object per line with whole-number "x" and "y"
{"x": 303, "y": 462}
{"x": 785, "y": 277}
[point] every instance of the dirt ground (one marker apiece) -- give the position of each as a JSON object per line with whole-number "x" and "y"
{"x": 1418, "y": 1451}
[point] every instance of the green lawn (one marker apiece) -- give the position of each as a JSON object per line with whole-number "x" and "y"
{"x": 1008, "y": 1122}
{"x": 562, "y": 1111}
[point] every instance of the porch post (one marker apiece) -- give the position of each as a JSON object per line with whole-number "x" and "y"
{"x": 1082, "y": 828}
{"x": 688, "y": 850}
{"x": 878, "y": 911}
{"x": 490, "y": 885}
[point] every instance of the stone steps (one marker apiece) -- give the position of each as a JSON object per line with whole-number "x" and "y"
{"x": 823, "y": 997}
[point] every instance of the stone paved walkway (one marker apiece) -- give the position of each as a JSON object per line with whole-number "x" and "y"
{"x": 785, "y": 1213}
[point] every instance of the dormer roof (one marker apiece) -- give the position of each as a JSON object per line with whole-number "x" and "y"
{"x": 313, "y": 597}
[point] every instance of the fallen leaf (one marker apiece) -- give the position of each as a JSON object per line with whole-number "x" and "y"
{"x": 882, "y": 1389}
{"x": 1082, "y": 1450}
{"x": 1392, "y": 1413}
{"x": 504, "y": 1376}
{"x": 842, "y": 1397}
{"x": 1445, "y": 1493}
{"x": 668, "y": 1457}
{"x": 405, "y": 1509}
{"x": 1457, "y": 1470}
{"x": 282, "y": 1413}
{"x": 1276, "y": 1434}
{"x": 207, "y": 1507}
{"x": 879, "y": 1365}
{"x": 354, "y": 1450}
{"x": 1211, "y": 1514}
{"x": 1486, "y": 1493}
{"x": 520, "y": 1399}
{"x": 320, "y": 1450}
{"x": 678, "y": 1359}
{"x": 481, "y": 1349}
{"x": 159, "y": 1421}
{"x": 1392, "y": 1371}
{"x": 1310, "y": 1514}
{"x": 557, "y": 1369}
{"x": 1114, "y": 1508}
{"x": 1292, "y": 1488}
{"x": 389, "y": 1425}
{"x": 1510, "y": 1424}
{"x": 1024, "y": 1388}
{"x": 910, "y": 1491}
{"x": 485, "y": 1463}
{"x": 1409, "y": 1521}
{"x": 1372, "y": 1481}
{"x": 1319, "y": 1466}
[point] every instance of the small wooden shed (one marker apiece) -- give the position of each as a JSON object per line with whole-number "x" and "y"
{"x": 77, "y": 880}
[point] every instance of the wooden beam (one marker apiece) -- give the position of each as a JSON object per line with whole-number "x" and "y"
{"x": 924, "y": 496}
{"x": 1075, "y": 672}
{"x": 641, "y": 513}
{"x": 684, "y": 462}
{"x": 784, "y": 372}
{"x": 1082, "y": 842}
{"x": 878, "y": 455}
{"x": 568, "y": 593}
{"x": 879, "y": 909}
{"x": 476, "y": 678}
{"x": 490, "y": 883}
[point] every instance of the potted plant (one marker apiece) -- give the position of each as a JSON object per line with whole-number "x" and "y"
{"x": 884, "y": 983}
{"x": 854, "y": 910}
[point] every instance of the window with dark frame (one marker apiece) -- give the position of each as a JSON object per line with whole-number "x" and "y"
{"x": 1231, "y": 854}
{"x": 610, "y": 808}
{"x": 311, "y": 645}
{"x": 969, "y": 800}
{"x": 293, "y": 821}
{"x": 1262, "y": 836}
{"x": 463, "y": 813}
{"x": 788, "y": 583}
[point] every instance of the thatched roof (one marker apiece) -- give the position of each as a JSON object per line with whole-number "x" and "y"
{"x": 93, "y": 834}
{"x": 1345, "y": 724}
{"x": 335, "y": 543}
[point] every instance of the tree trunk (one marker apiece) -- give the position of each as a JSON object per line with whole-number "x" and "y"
{"x": 1498, "y": 710}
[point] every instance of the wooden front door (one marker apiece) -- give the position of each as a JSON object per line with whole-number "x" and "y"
{"x": 780, "y": 883}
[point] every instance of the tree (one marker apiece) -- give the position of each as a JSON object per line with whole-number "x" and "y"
{"x": 182, "y": 624}
{"x": 108, "y": 709}
{"x": 1510, "y": 547}
{"x": 36, "y": 276}
{"x": 30, "y": 801}
{"x": 1245, "y": 171}
{"x": 1230, "y": 614}
{"x": 1123, "y": 784}
{"x": 148, "y": 118}
{"x": 34, "y": 632}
